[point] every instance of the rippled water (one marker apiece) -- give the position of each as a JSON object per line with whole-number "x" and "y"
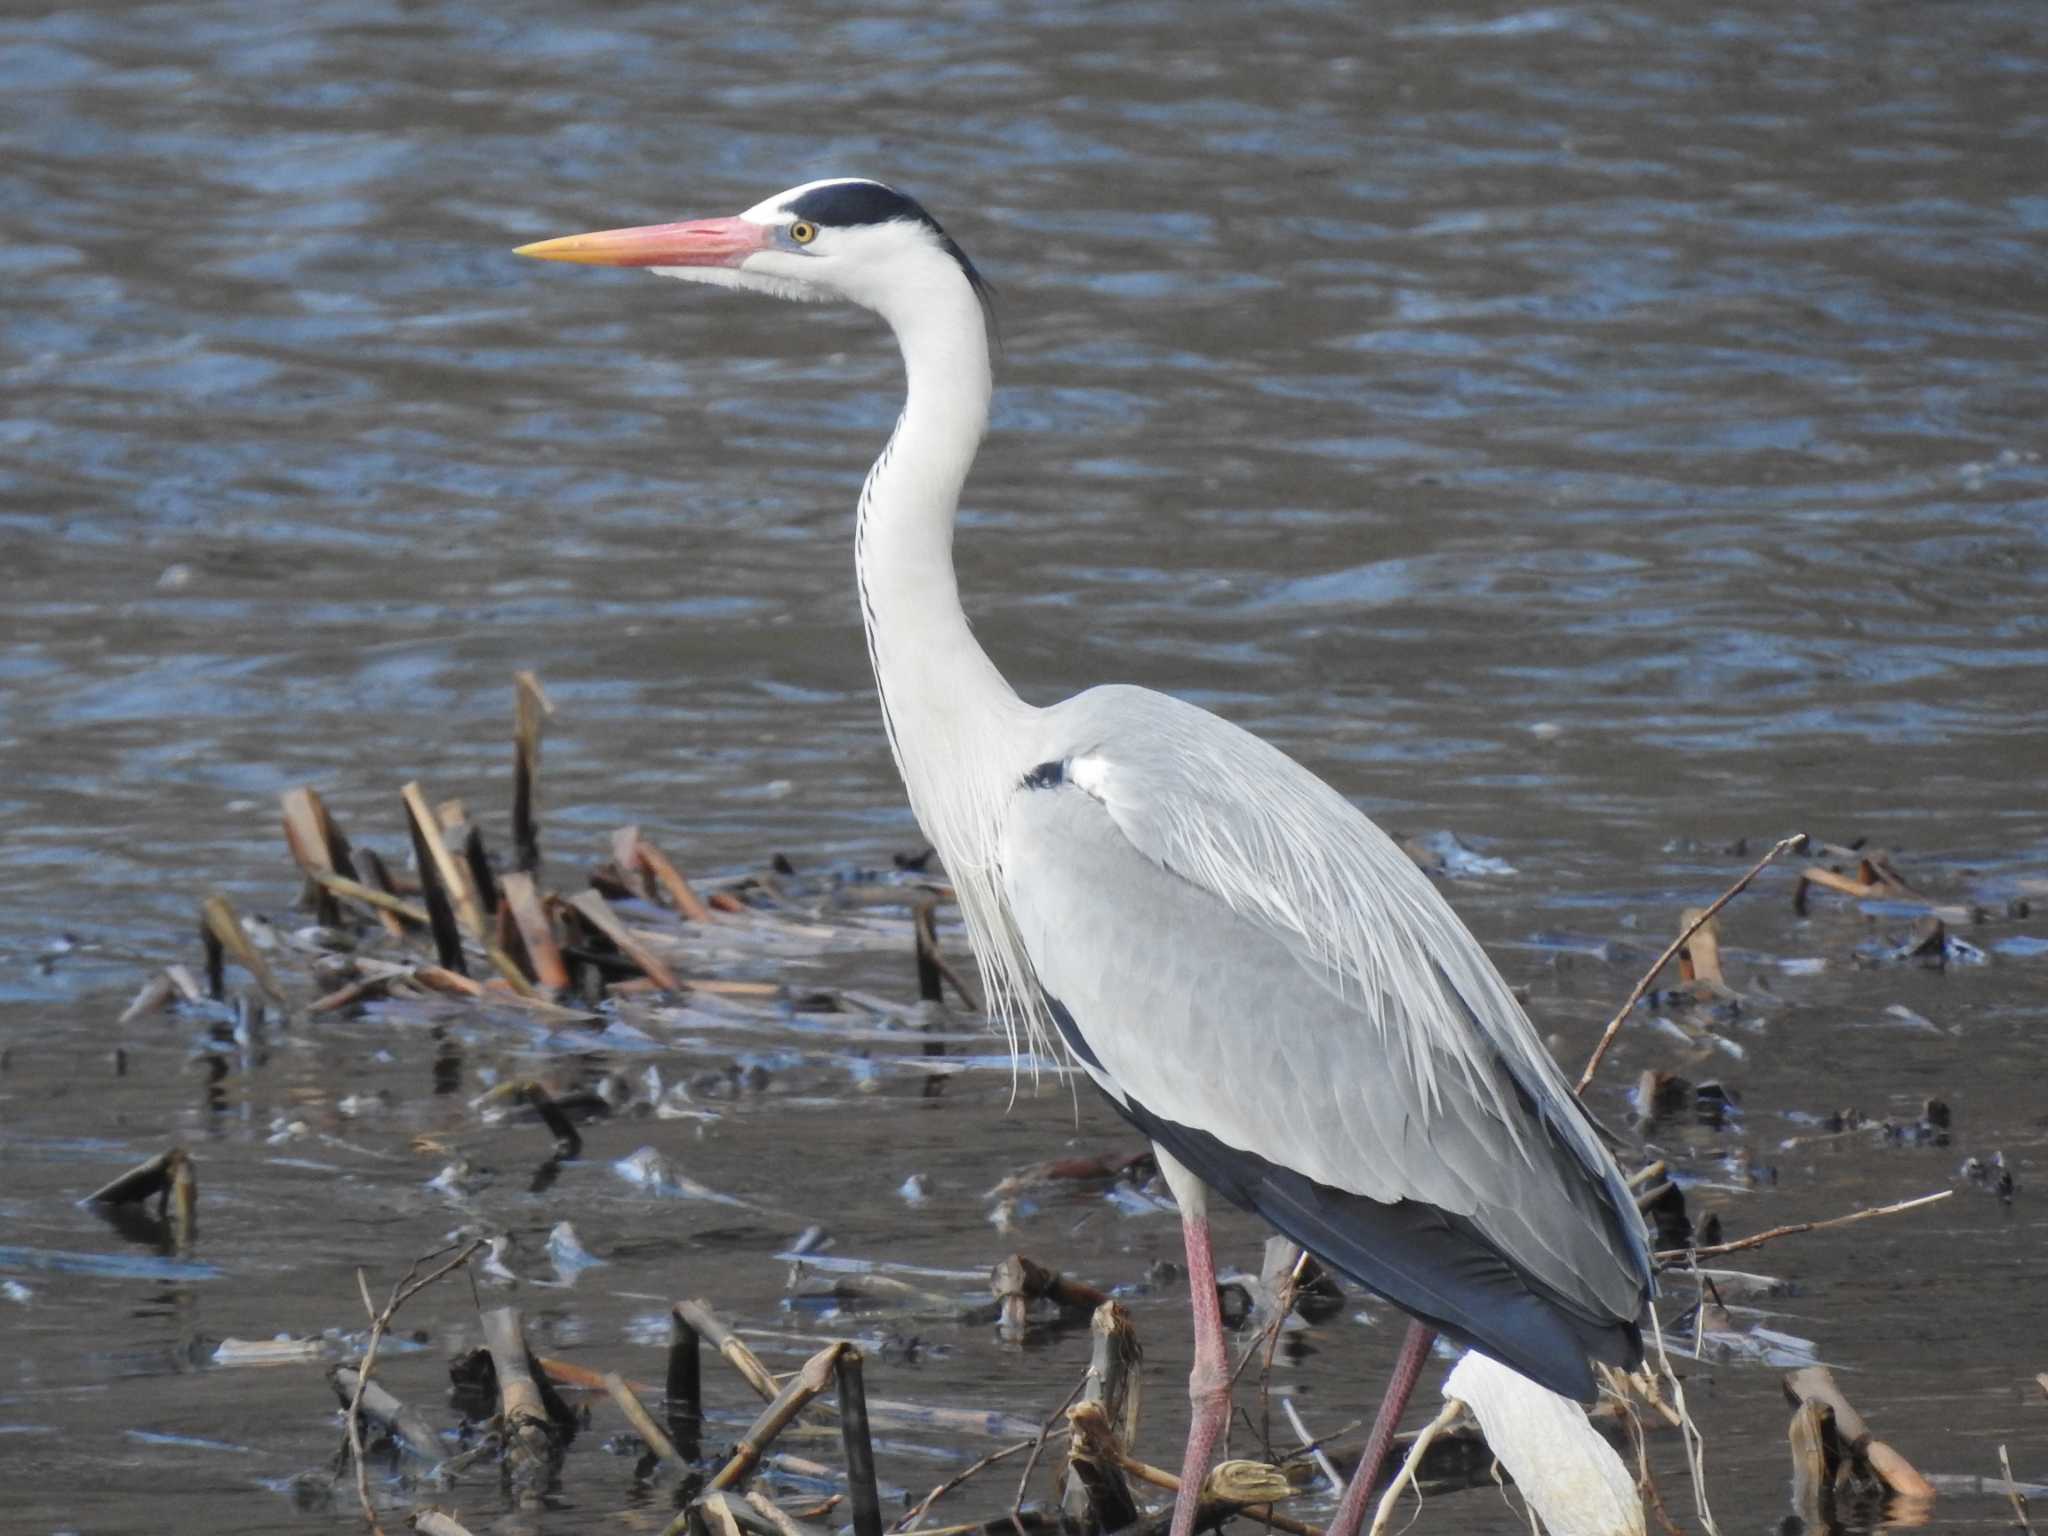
{"x": 1605, "y": 431}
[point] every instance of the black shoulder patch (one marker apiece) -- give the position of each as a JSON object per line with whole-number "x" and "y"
{"x": 1046, "y": 776}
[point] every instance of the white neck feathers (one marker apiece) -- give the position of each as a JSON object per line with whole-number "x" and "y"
{"x": 954, "y": 723}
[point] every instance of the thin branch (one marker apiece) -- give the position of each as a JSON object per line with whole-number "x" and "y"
{"x": 1038, "y": 1445}
{"x": 909, "y": 1521}
{"x": 1312, "y": 1447}
{"x": 1757, "y": 1240}
{"x": 407, "y": 1288}
{"x": 1784, "y": 845}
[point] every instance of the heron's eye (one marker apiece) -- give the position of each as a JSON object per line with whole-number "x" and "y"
{"x": 803, "y": 232}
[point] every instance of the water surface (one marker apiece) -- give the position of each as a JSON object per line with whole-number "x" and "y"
{"x": 1610, "y": 432}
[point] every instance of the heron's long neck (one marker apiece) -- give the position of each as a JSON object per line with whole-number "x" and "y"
{"x": 950, "y": 713}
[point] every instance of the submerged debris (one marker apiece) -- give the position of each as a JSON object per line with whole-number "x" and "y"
{"x": 465, "y": 941}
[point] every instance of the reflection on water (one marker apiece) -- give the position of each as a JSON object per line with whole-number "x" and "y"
{"x": 1606, "y": 432}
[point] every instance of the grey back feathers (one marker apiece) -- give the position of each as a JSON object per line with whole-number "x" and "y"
{"x": 1265, "y": 984}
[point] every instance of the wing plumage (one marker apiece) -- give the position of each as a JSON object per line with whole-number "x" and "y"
{"x": 1246, "y": 959}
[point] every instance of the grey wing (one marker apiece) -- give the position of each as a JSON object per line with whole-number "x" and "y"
{"x": 1188, "y": 897}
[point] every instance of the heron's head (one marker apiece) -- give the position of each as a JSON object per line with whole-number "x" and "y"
{"x": 841, "y": 239}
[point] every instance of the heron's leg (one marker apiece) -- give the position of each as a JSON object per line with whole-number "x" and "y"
{"x": 1209, "y": 1381}
{"x": 1407, "y": 1371}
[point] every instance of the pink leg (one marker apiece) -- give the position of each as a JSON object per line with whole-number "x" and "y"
{"x": 1209, "y": 1381}
{"x": 1407, "y": 1371}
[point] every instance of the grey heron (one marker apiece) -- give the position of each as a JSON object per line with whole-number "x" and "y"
{"x": 1252, "y": 971}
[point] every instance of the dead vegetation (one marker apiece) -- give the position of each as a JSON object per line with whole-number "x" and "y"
{"x": 459, "y": 926}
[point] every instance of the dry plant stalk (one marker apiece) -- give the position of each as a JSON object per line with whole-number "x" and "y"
{"x": 522, "y": 1410}
{"x": 529, "y": 916}
{"x": 531, "y": 709}
{"x": 642, "y": 1421}
{"x": 910, "y": 1521}
{"x": 594, "y": 909}
{"x": 316, "y": 847}
{"x": 1094, "y": 1494}
{"x": 1782, "y": 846}
{"x": 862, "y": 1497}
{"x": 1758, "y": 1239}
{"x": 809, "y": 1382}
{"x": 1390, "y": 1501}
{"x": 376, "y": 900}
{"x": 1814, "y": 1387}
{"x": 1265, "y": 1514}
{"x": 222, "y": 927}
{"x": 2012, "y": 1490}
{"x": 409, "y": 1286}
{"x": 681, "y": 894}
{"x": 450, "y": 870}
{"x": 697, "y": 1314}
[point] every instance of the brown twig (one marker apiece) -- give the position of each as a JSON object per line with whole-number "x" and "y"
{"x": 909, "y": 1521}
{"x": 1038, "y": 1445}
{"x": 408, "y": 1287}
{"x": 1782, "y": 846}
{"x": 924, "y": 920}
{"x": 1758, "y": 1239}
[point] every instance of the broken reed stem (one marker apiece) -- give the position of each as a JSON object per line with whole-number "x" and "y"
{"x": 683, "y": 1389}
{"x": 598, "y": 914}
{"x": 776, "y": 1515}
{"x": 924, "y": 920}
{"x": 1782, "y": 846}
{"x": 530, "y": 710}
{"x": 865, "y": 1502}
{"x": 218, "y": 922}
{"x": 642, "y": 1421}
{"x": 370, "y": 896}
{"x": 809, "y": 1382}
{"x": 528, "y": 1431}
{"x": 697, "y": 1314}
{"x": 411, "y": 1427}
{"x": 1265, "y": 1514}
{"x": 2012, "y": 1492}
{"x": 1757, "y": 1240}
{"x": 409, "y": 1286}
{"x": 720, "y": 1516}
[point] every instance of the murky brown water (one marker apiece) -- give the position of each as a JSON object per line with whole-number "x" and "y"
{"x": 1605, "y": 431}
